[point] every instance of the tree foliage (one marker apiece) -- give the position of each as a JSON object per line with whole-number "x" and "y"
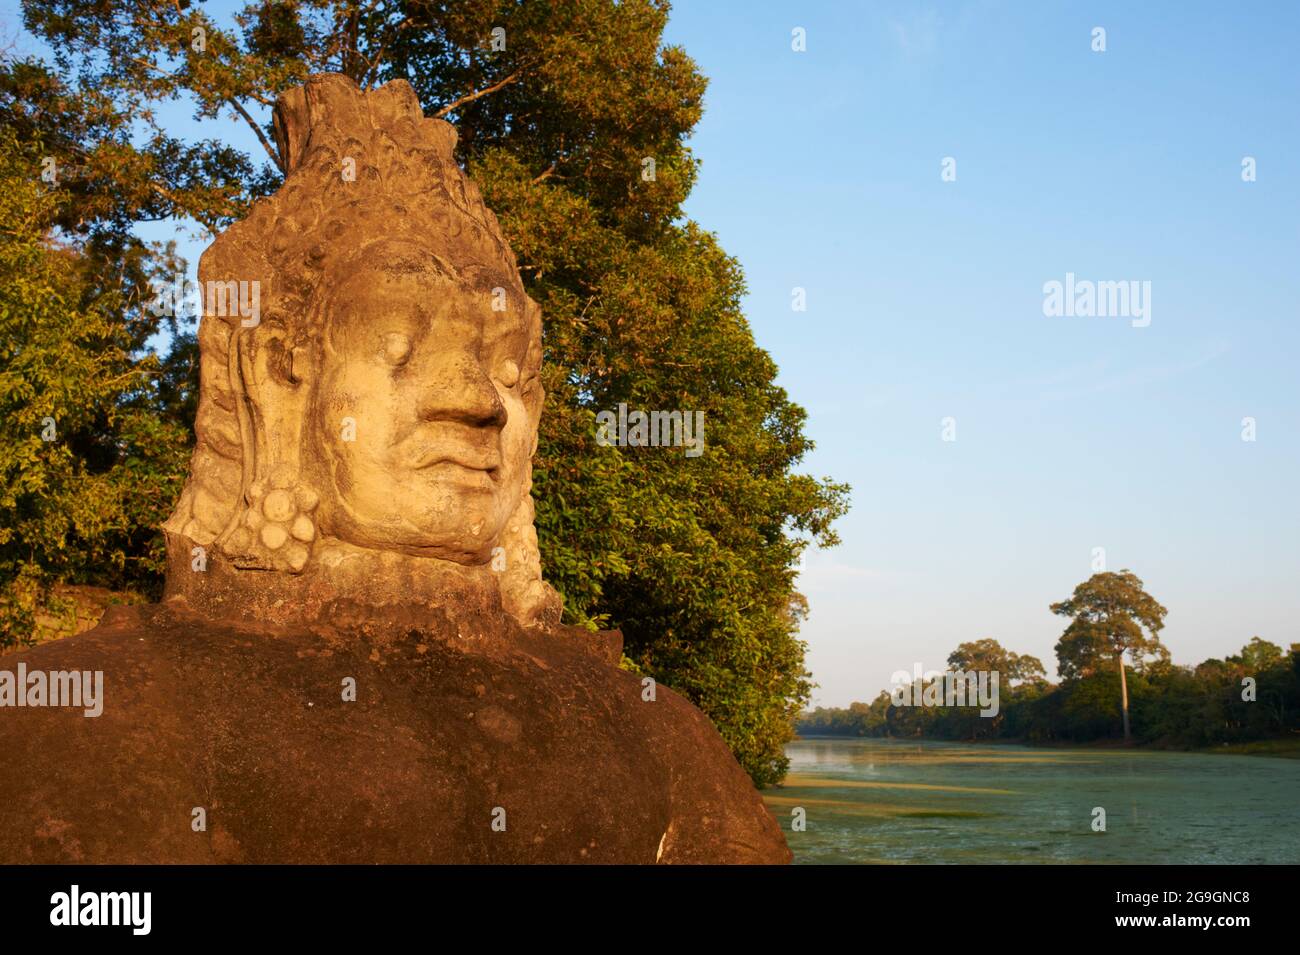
{"x": 573, "y": 119}
{"x": 88, "y": 462}
{"x": 989, "y": 655}
{"x": 1173, "y": 706}
{"x": 1112, "y": 616}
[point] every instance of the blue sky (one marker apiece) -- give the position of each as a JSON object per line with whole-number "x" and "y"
{"x": 821, "y": 170}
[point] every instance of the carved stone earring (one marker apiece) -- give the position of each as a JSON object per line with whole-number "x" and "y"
{"x": 277, "y": 528}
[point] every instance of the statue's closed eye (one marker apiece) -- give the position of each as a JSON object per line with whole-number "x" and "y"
{"x": 397, "y": 348}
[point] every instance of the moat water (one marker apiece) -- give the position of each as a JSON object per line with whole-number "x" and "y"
{"x": 892, "y": 801}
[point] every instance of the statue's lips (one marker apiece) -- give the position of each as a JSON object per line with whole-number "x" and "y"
{"x": 460, "y": 467}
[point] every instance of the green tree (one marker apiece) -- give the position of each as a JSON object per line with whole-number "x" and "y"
{"x": 1112, "y": 616}
{"x": 573, "y": 118}
{"x": 1258, "y": 655}
{"x": 86, "y": 464}
{"x": 989, "y": 655}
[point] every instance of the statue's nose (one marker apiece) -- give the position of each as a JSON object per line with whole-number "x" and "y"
{"x": 455, "y": 387}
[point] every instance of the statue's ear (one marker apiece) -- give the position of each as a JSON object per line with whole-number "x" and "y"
{"x": 274, "y": 367}
{"x": 273, "y": 526}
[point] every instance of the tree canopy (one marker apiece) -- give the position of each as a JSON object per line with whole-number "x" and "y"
{"x": 573, "y": 119}
{"x": 89, "y": 459}
{"x": 989, "y": 655}
{"x": 1250, "y": 696}
{"x": 1112, "y": 615}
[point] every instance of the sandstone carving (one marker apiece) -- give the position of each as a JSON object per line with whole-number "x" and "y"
{"x": 376, "y": 419}
{"x": 357, "y": 658}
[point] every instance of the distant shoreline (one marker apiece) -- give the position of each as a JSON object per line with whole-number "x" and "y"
{"x": 1281, "y": 748}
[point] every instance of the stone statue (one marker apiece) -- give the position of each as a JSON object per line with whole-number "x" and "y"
{"x": 356, "y": 658}
{"x": 377, "y": 419}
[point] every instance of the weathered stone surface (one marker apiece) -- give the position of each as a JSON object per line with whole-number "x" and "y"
{"x": 249, "y": 724}
{"x": 359, "y": 509}
{"x": 368, "y": 414}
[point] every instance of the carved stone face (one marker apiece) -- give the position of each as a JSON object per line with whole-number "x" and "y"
{"x": 420, "y": 419}
{"x": 367, "y": 440}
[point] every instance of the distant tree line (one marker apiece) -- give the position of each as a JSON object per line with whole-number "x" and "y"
{"x": 1251, "y": 695}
